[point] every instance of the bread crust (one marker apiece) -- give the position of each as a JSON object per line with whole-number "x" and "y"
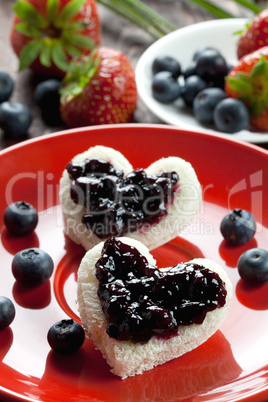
{"x": 181, "y": 211}
{"x": 127, "y": 358}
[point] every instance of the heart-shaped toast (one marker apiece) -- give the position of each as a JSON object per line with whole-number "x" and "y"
{"x": 102, "y": 196}
{"x": 140, "y": 316}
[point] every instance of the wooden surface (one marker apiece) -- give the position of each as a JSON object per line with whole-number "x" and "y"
{"x": 117, "y": 33}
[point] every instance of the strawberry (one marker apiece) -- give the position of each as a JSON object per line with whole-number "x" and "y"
{"x": 248, "y": 81}
{"x": 255, "y": 36}
{"x": 47, "y": 34}
{"x": 101, "y": 90}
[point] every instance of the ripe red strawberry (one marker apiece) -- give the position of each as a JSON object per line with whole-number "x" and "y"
{"x": 255, "y": 36}
{"x": 248, "y": 81}
{"x": 47, "y": 34}
{"x": 101, "y": 90}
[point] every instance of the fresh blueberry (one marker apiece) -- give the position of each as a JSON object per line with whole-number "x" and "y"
{"x": 6, "y": 86}
{"x": 189, "y": 70}
{"x": 202, "y": 49}
{"x": 15, "y": 118}
{"x": 47, "y": 97}
{"x": 231, "y": 115}
{"x": 192, "y": 86}
{"x": 205, "y": 103}
{"x": 238, "y": 227}
{"x": 66, "y": 336}
{"x": 165, "y": 87}
{"x": 253, "y": 266}
{"x": 166, "y": 63}
{"x": 20, "y": 218}
{"x": 32, "y": 266}
{"x": 211, "y": 66}
{"x": 7, "y": 312}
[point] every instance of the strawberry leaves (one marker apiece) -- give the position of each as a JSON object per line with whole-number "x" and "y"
{"x": 252, "y": 87}
{"x": 53, "y": 38}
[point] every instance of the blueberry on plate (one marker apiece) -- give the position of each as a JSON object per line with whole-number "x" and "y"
{"x": 165, "y": 88}
{"x": 6, "y": 86}
{"x": 192, "y": 86}
{"x": 231, "y": 116}
{"x": 205, "y": 103}
{"x": 189, "y": 70}
{"x": 32, "y": 266}
{"x": 166, "y": 63}
{"x": 202, "y": 49}
{"x": 7, "y": 312}
{"x": 211, "y": 66}
{"x": 15, "y": 118}
{"x": 20, "y": 218}
{"x": 47, "y": 97}
{"x": 253, "y": 266}
{"x": 66, "y": 336}
{"x": 238, "y": 227}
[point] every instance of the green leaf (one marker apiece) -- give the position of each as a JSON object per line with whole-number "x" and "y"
{"x": 239, "y": 85}
{"x": 53, "y": 7}
{"x": 81, "y": 41}
{"x": 59, "y": 57}
{"x": 71, "y": 50}
{"x": 260, "y": 67}
{"x": 28, "y": 13}
{"x": 30, "y": 52}
{"x": 70, "y": 10}
{"x": 45, "y": 56}
{"x": 28, "y": 30}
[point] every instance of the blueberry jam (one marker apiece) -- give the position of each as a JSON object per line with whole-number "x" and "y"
{"x": 140, "y": 301}
{"x": 116, "y": 204}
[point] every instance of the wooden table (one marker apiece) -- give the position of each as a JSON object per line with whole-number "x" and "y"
{"x": 116, "y": 32}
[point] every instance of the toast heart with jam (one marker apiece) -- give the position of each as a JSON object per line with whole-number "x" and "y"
{"x": 140, "y": 316}
{"x": 102, "y": 196}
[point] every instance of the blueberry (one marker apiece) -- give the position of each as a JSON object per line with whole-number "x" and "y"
{"x": 231, "y": 115}
{"x": 192, "y": 86}
{"x": 32, "y": 266}
{"x": 253, "y": 266}
{"x": 15, "y": 118}
{"x": 211, "y": 66}
{"x": 20, "y": 218}
{"x": 201, "y": 50}
{"x": 6, "y": 86}
{"x": 190, "y": 70}
{"x": 47, "y": 97}
{"x": 166, "y": 63}
{"x": 66, "y": 336}
{"x": 165, "y": 87}
{"x": 238, "y": 227}
{"x": 205, "y": 103}
{"x": 7, "y": 312}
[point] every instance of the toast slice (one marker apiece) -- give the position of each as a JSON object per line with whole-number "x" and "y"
{"x": 180, "y": 212}
{"x": 128, "y": 358}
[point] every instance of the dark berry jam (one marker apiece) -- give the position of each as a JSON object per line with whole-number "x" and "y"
{"x": 140, "y": 301}
{"x": 116, "y": 204}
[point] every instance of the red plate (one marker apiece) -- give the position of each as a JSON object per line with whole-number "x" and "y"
{"x": 230, "y": 366}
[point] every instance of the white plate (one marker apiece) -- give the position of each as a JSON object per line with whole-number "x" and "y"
{"x": 182, "y": 44}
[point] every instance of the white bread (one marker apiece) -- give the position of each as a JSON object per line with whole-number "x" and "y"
{"x": 180, "y": 212}
{"x": 127, "y": 358}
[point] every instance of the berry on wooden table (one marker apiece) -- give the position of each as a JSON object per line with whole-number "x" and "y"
{"x": 6, "y": 86}
{"x": 15, "y": 118}
{"x": 47, "y": 34}
{"x": 102, "y": 90}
